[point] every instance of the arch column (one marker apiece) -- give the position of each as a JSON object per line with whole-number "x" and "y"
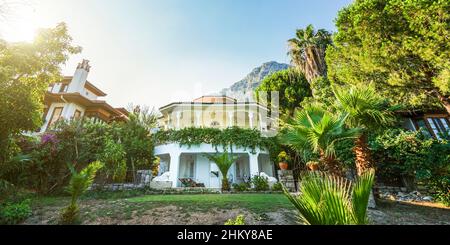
{"x": 254, "y": 166}
{"x": 174, "y": 168}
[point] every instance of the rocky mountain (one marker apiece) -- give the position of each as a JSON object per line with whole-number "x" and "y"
{"x": 243, "y": 89}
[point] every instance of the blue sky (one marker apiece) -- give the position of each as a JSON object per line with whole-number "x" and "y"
{"x": 154, "y": 52}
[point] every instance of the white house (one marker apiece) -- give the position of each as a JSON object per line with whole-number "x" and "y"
{"x": 76, "y": 97}
{"x": 183, "y": 162}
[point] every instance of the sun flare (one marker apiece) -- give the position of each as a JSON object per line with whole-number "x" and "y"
{"x": 20, "y": 23}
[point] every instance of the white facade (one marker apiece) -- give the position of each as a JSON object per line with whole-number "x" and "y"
{"x": 191, "y": 162}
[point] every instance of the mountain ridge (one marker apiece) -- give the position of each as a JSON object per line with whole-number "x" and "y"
{"x": 243, "y": 89}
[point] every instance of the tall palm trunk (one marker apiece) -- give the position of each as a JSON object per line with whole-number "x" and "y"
{"x": 362, "y": 153}
{"x": 225, "y": 184}
{"x": 331, "y": 164}
{"x": 364, "y": 162}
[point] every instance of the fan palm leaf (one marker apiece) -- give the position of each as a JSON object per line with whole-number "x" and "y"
{"x": 316, "y": 130}
{"x": 332, "y": 200}
{"x": 307, "y": 51}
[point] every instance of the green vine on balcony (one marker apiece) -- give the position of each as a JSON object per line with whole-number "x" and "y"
{"x": 238, "y": 137}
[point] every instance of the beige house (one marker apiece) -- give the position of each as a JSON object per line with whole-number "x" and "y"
{"x": 76, "y": 97}
{"x": 215, "y": 112}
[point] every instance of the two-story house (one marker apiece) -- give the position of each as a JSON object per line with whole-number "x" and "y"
{"x": 76, "y": 97}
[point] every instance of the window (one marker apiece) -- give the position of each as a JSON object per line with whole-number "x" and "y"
{"x": 63, "y": 88}
{"x": 433, "y": 126}
{"x": 438, "y": 125}
{"x": 215, "y": 124}
{"x": 422, "y": 126}
{"x": 50, "y": 88}
{"x": 77, "y": 114}
{"x": 56, "y": 115}
{"x": 187, "y": 168}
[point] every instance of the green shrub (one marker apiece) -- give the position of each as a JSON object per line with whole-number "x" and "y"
{"x": 277, "y": 187}
{"x": 241, "y": 187}
{"x": 402, "y": 153}
{"x": 240, "y": 220}
{"x": 114, "y": 158}
{"x": 15, "y": 213}
{"x": 260, "y": 183}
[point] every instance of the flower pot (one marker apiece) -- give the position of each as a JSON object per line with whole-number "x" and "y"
{"x": 283, "y": 165}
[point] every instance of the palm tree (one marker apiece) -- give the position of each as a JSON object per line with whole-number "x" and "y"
{"x": 79, "y": 183}
{"x": 332, "y": 200}
{"x": 224, "y": 161}
{"x": 317, "y": 130}
{"x": 368, "y": 111}
{"x": 307, "y": 51}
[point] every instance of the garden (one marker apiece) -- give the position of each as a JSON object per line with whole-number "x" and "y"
{"x": 341, "y": 132}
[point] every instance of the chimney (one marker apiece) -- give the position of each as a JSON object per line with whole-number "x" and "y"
{"x": 79, "y": 78}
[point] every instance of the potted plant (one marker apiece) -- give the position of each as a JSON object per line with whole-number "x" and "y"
{"x": 283, "y": 159}
{"x": 313, "y": 165}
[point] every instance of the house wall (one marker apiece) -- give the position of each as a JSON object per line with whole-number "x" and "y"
{"x": 203, "y": 165}
{"x": 89, "y": 94}
{"x": 225, "y": 115}
{"x": 67, "y": 113}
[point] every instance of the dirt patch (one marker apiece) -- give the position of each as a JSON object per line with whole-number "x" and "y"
{"x": 122, "y": 212}
{"x": 100, "y": 212}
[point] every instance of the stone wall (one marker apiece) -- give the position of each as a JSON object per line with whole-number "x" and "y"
{"x": 395, "y": 193}
{"x": 286, "y": 178}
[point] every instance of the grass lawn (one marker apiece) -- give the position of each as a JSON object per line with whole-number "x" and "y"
{"x": 213, "y": 209}
{"x": 258, "y": 203}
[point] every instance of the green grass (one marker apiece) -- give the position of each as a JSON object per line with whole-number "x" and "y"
{"x": 125, "y": 206}
{"x": 259, "y": 203}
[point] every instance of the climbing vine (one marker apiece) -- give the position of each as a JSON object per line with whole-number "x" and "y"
{"x": 238, "y": 137}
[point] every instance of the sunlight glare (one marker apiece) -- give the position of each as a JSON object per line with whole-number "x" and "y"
{"x": 20, "y": 23}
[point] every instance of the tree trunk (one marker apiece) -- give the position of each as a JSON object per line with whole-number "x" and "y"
{"x": 444, "y": 100}
{"x": 331, "y": 164}
{"x": 225, "y": 184}
{"x": 362, "y": 153}
{"x": 134, "y": 171}
{"x": 364, "y": 162}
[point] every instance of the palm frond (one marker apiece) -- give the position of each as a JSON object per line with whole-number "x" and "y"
{"x": 331, "y": 200}
{"x": 365, "y": 108}
{"x": 361, "y": 194}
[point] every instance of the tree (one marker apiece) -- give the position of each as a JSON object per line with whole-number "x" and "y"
{"x": 292, "y": 86}
{"x": 136, "y": 138}
{"x": 26, "y": 70}
{"x": 332, "y": 200}
{"x": 313, "y": 129}
{"x": 402, "y": 46}
{"x": 79, "y": 183}
{"x": 307, "y": 51}
{"x": 224, "y": 161}
{"x": 368, "y": 111}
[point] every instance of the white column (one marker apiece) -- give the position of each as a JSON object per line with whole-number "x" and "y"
{"x": 198, "y": 115}
{"x": 254, "y": 167}
{"x": 231, "y": 119}
{"x": 250, "y": 116}
{"x": 260, "y": 122}
{"x": 174, "y": 167}
{"x": 178, "y": 120}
